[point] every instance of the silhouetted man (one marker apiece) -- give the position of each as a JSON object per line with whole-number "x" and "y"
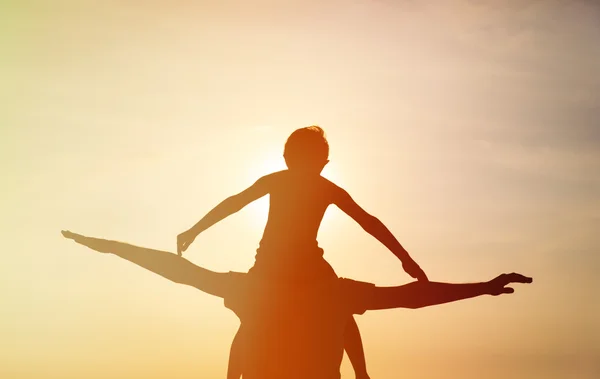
{"x": 296, "y": 331}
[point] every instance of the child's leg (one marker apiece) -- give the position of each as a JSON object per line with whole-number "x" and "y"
{"x": 354, "y": 348}
{"x": 163, "y": 263}
{"x": 236, "y": 355}
{"x": 423, "y": 294}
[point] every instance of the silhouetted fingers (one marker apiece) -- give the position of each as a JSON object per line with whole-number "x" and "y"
{"x": 499, "y": 284}
{"x": 182, "y": 247}
{"x": 518, "y": 278}
{"x": 70, "y": 235}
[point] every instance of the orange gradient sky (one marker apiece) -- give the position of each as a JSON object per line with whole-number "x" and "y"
{"x": 469, "y": 128}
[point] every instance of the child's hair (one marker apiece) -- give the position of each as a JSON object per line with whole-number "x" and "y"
{"x": 306, "y": 146}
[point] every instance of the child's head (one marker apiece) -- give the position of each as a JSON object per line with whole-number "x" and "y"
{"x": 307, "y": 150}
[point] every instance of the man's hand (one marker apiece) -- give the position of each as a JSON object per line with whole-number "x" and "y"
{"x": 184, "y": 240}
{"x": 498, "y": 286}
{"x": 412, "y": 268}
{"x": 72, "y": 236}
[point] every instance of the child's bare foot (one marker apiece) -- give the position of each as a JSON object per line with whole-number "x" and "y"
{"x": 498, "y": 285}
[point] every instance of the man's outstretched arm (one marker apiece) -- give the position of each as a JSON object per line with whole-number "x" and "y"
{"x": 163, "y": 263}
{"x": 226, "y": 208}
{"x": 377, "y": 229}
{"x": 424, "y": 294}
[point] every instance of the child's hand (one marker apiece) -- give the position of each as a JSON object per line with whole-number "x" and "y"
{"x": 184, "y": 240}
{"x": 412, "y": 268}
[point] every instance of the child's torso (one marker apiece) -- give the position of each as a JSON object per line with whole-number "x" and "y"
{"x": 296, "y": 209}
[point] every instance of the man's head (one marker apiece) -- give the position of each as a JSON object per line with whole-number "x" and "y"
{"x": 307, "y": 150}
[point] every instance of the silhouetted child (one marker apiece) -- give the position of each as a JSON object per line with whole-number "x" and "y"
{"x": 288, "y": 251}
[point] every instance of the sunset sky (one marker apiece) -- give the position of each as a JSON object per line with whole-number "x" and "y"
{"x": 471, "y": 129}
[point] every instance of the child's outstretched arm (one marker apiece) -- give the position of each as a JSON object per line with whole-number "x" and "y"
{"x": 377, "y": 229}
{"x": 227, "y": 207}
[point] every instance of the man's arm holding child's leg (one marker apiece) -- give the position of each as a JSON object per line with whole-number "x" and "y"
{"x": 226, "y": 208}
{"x": 377, "y": 229}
